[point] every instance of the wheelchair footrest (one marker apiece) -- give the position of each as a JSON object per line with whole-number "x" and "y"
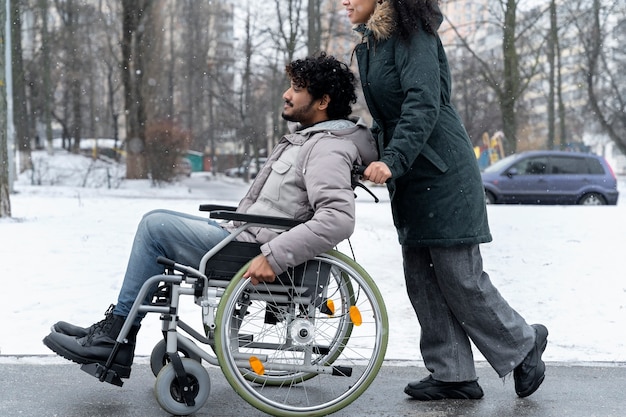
{"x": 102, "y": 373}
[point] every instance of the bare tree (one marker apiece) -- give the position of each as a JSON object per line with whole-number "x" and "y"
{"x": 20, "y": 116}
{"x": 135, "y": 16}
{"x": 504, "y": 74}
{"x": 553, "y": 39}
{"x": 113, "y": 74}
{"x": 475, "y": 101}
{"x": 314, "y": 27}
{"x": 197, "y": 18}
{"x": 70, "y": 15}
{"x": 46, "y": 101}
{"x": 5, "y": 201}
{"x": 557, "y": 123}
{"x": 604, "y": 64}
{"x": 247, "y": 129}
{"x": 286, "y": 35}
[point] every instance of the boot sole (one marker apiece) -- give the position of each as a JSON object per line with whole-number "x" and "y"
{"x": 445, "y": 391}
{"x": 448, "y": 395}
{"x": 122, "y": 370}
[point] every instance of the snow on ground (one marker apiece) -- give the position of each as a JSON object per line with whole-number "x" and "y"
{"x": 65, "y": 250}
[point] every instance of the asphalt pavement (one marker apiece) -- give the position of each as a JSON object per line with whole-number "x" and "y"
{"x": 44, "y": 387}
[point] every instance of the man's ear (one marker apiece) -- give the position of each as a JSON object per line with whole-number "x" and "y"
{"x": 324, "y": 102}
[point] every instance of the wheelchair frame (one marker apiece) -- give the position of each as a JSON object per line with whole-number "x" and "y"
{"x": 284, "y": 347}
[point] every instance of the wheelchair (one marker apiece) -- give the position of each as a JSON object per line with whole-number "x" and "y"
{"x": 308, "y": 344}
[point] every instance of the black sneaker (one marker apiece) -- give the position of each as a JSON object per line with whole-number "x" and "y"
{"x": 529, "y": 374}
{"x": 429, "y": 389}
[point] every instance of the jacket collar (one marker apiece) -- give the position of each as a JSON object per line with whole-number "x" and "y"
{"x": 381, "y": 24}
{"x": 325, "y": 126}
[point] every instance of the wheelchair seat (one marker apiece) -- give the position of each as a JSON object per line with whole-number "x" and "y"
{"x": 230, "y": 259}
{"x": 309, "y": 278}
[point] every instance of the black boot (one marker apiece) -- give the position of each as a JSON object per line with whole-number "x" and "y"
{"x": 76, "y": 331}
{"x": 97, "y": 345}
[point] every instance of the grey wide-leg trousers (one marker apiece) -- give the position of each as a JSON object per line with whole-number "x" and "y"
{"x": 455, "y": 301}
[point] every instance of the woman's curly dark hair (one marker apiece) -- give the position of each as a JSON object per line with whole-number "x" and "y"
{"x": 409, "y": 12}
{"x": 324, "y": 74}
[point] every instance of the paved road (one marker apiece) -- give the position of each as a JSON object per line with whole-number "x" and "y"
{"x": 44, "y": 387}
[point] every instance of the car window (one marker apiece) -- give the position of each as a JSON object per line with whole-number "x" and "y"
{"x": 595, "y": 167}
{"x": 568, "y": 165}
{"x": 532, "y": 166}
{"x": 497, "y": 166}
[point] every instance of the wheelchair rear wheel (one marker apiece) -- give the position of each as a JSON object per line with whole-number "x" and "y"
{"x": 303, "y": 346}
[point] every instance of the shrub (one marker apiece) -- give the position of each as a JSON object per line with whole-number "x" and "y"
{"x": 166, "y": 143}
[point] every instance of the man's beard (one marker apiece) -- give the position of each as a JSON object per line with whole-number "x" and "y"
{"x": 299, "y": 114}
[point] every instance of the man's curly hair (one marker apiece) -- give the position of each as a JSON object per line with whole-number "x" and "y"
{"x": 324, "y": 74}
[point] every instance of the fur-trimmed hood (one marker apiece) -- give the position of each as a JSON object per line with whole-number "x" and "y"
{"x": 381, "y": 24}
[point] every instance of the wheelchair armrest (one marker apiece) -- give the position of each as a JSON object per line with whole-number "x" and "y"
{"x": 215, "y": 207}
{"x": 254, "y": 218}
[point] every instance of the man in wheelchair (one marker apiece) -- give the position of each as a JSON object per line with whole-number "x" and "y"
{"x": 307, "y": 177}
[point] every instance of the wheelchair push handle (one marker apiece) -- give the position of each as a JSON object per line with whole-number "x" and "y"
{"x": 357, "y": 171}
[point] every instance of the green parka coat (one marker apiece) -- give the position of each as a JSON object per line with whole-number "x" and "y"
{"x": 437, "y": 196}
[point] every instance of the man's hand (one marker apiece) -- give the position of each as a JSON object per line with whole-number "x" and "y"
{"x": 377, "y": 172}
{"x": 260, "y": 271}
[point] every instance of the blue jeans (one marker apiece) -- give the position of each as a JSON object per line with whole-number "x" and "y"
{"x": 181, "y": 237}
{"x": 455, "y": 301}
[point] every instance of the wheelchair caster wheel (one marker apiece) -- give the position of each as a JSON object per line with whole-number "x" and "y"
{"x": 158, "y": 357}
{"x": 182, "y": 400}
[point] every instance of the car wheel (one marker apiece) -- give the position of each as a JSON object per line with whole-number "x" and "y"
{"x": 592, "y": 199}
{"x": 489, "y": 198}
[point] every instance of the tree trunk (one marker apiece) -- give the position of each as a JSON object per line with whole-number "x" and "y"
{"x": 561, "y": 105}
{"x": 552, "y": 40}
{"x": 314, "y": 30}
{"x": 47, "y": 97}
{"x": 511, "y": 88}
{"x": 5, "y": 201}
{"x": 594, "y": 57}
{"x": 133, "y": 17}
{"x": 20, "y": 113}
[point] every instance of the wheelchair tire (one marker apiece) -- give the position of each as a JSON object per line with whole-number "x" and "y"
{"x": 306, "y": 361}
{"x": 168, "y": 393}
{"x": 158, "y": 357}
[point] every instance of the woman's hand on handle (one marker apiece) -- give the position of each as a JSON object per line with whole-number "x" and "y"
{"x": 377, "y": 172}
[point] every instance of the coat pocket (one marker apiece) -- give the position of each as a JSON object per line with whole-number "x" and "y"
{"x": 434, "y": 158}
{"x": 273, "y": 185}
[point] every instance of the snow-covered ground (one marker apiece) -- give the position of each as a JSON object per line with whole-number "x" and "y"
{"x": 64, "y": 252}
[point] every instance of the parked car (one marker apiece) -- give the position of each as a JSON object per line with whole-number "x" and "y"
{"x": 252, "y": 167}
{"x": 550, "y": 177}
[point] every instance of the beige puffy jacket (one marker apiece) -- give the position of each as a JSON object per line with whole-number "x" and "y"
{"x": 308, "y": 177}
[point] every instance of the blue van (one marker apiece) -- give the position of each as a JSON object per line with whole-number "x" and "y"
{"x": 550, "y": 177}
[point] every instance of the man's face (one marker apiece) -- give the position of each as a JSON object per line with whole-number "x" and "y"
{"x": 299, "y": 105}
